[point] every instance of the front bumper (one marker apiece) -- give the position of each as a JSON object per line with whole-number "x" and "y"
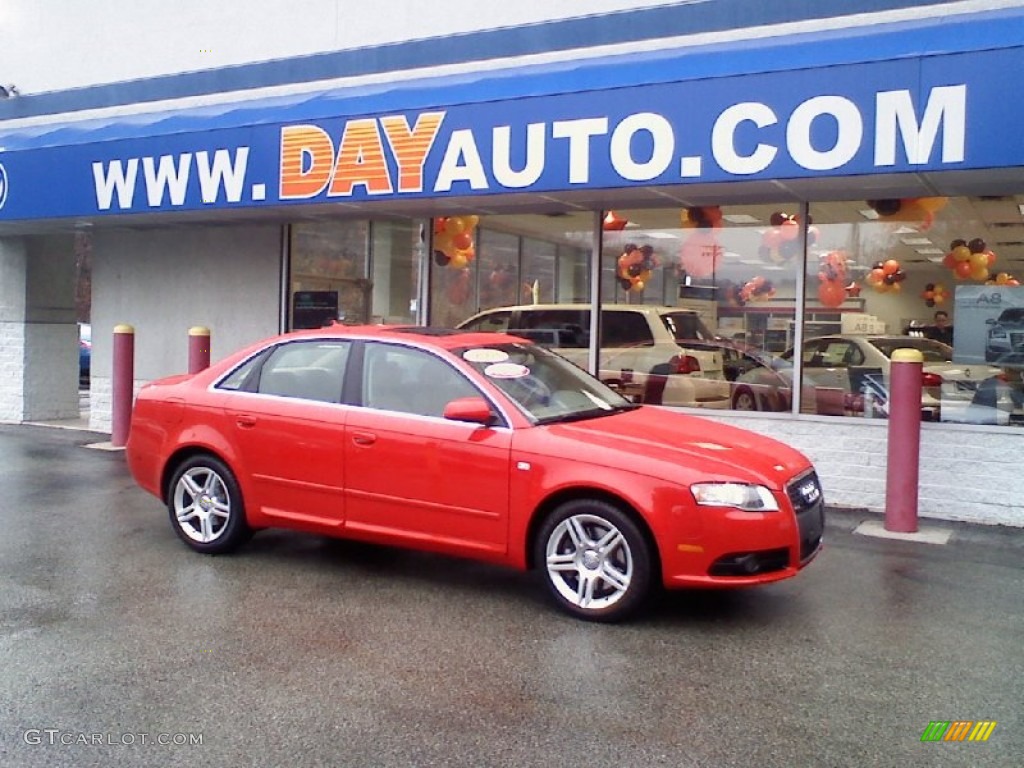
{"x": 738, "y": 548}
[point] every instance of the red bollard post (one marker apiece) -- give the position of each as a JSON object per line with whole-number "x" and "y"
{"x": 198, "y": 349}
{"x": 122, "y": 385}
{"x": 903, "y": 465}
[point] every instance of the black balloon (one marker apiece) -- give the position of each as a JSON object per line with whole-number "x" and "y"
{"x": 777, "y": 218}
{"x": 957, "y": 243}
{"x": 441, "y": 258}
{"x": 977, "y": 245}
{"x": 886, "y": 207}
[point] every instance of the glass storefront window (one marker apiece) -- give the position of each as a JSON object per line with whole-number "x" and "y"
{"x": 517, "y": 259}
{"x": 935, "y": 274}
{"x": 697, "y": 309}
{"x": 355, "y": 271}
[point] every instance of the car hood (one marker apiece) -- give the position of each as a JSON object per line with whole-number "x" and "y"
{"x": 676, "y": 446}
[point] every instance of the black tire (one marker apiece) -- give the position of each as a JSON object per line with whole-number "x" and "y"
{"x": 206, "y": 507}
{"x": 595, "y": 561}
{"x": 744, "y": 399}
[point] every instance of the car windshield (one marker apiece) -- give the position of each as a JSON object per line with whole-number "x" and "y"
{"x": 1012, "y": 315}
{"x": 546, "y": 386}
{"x": 686, "y": 325}
{"x": 932, "y": 351}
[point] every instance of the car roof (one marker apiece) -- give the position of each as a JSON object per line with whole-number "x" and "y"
{"x": 445, "y": 338}
{"x": 658, "y": 308}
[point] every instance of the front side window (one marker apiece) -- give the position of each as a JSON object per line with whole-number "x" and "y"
{"x": 308, "y": 370}
{"x": 407, "y": 380}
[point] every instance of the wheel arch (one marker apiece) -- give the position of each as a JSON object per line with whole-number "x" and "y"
{"x": 564, "y": 495}
{"x": 181, "y": 455}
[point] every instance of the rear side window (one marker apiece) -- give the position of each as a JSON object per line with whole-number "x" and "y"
{"x": 625, "y": 329}
{"x": 495, "y": 322}
{"x": 555, "y": 327}
{"x": 306, "y": 370}
{"x": 686, "y": 326}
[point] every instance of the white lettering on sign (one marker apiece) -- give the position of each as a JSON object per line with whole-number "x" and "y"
{"x": 662, "y": 155}
{"x": 723, "y": 139}
{"x": 168, "y": 176}
{"x": 579, "y": 133}
{"x": 461, "y": 163}
{"x": 894, "y": 111}
{"x": 850, "y": 131}
{"x": 502, "y": 156}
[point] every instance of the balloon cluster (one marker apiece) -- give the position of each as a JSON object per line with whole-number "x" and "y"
{"x": 635, "y": 266}
{"x": 886, "y": 276}
{"x": 701, "y": 254}
{"x": 453, "y": 241}
{"x": 832, "y": 279}
{"x": 934, "y": 293}
{"x": 756, "y": 289}
{"x": 969, "y": 259}
{"x": 781, "y": 242}
{"x": 1003, "y": 278}
{"x": 914, "y": 209}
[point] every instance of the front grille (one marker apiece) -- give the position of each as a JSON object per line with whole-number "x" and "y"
{"x": 805, "y": 491}
{"x": 809, "y": 504}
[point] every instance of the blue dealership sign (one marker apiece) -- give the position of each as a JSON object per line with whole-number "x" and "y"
{"x": 923, "y": 114}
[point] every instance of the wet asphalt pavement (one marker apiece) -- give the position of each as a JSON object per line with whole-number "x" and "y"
{"x": 300, "y": 651}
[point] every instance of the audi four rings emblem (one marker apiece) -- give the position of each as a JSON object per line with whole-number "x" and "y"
{"x": 3, "y": 185}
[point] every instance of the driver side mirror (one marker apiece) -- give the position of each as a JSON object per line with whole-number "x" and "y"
{"x": 472, "y": 409}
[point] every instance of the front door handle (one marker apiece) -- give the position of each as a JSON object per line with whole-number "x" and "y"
{"x": 245, "y": 421}
{"x": 363, "y": 438}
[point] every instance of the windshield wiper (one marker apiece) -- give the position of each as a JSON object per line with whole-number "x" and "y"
{"x": 590, "y": 413}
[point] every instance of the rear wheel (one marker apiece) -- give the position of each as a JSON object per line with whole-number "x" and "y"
{"x": 205, "y": 506}
{"x": 596, "y": 562}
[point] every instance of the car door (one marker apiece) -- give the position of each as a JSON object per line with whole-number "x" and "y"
{"x": 414, "y": 476}
{"x": 827, "y": 374}
{"x": 287, "y": 428}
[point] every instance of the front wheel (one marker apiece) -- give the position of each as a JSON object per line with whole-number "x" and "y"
{"x": 595, "y": 560}
{"x": 205, "y": 505}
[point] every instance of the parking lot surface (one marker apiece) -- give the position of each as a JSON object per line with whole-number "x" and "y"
{"x": 118, "y": 646}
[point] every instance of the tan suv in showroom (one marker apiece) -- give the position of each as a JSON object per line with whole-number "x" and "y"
{"x": 655, "y": 355}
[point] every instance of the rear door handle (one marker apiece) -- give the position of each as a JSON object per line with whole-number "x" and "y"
{"x": 363, "y": 438}
{"x": 245, "y": 421}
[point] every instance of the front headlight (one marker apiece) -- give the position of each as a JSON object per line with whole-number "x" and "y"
{"x": 749, "y": 498}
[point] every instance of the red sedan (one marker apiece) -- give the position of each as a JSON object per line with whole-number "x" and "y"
{"x": 474, "y": 444}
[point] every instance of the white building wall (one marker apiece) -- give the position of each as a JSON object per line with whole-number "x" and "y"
{"x": 51, "y": 332}
{"x": 165, "y": 281}
{"x": 966, "y": 473}
{"x": 38, "y": 332}
{"x": 13, "y": 256}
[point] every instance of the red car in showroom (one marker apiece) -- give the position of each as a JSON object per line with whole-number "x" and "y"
{"x": 479, "y": 445}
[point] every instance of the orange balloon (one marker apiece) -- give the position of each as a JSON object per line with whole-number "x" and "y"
{"x": 962, "y": 270}
{"x": 891, "y": 266}
{"x": 462, "y": 241}
{"x": 831, "y": 293}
